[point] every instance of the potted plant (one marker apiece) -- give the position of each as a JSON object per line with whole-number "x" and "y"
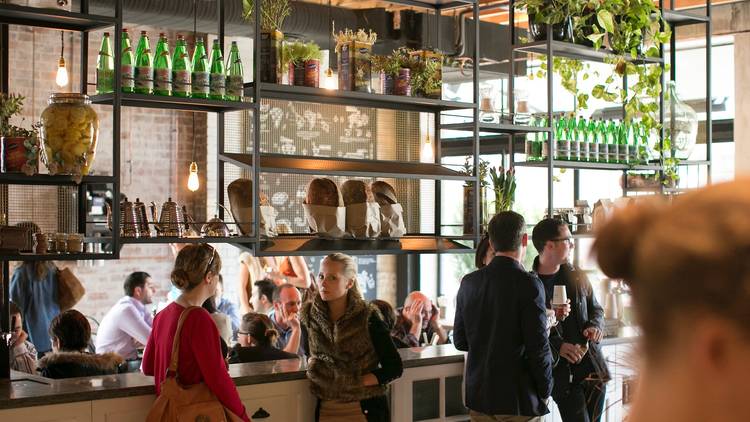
{"x": 388, "y": 68}
{"x": 557, "y": 13}
{"x": 504, "y": 187}
{"x": 293, "y": 61}
{"x": 404, "y": 61}
{"x": 469, "y": 192}
{"x": 20, "y": 147}
{"x": 273, "y": 14}
{"x": 427, "y": 76}
{"x": 312, "y": 57}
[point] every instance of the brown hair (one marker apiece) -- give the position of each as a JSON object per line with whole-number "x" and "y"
{"x": 192, "y": 265}
{"x": 482, "y": 247}
{"x": 259, "y": 327}
{"x": 71, "y": 329}
{"x": 685, "y": 258}
{"x": 387, "y": 312}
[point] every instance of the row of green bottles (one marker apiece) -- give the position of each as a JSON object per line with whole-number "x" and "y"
{"x": 177, "y": 75}
{"x": 589, "y": 140}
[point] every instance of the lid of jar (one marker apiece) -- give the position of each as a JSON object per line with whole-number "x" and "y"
{"x": 69, "y": 97}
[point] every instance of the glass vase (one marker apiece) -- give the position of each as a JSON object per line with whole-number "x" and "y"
{"x": 681, "y": 122}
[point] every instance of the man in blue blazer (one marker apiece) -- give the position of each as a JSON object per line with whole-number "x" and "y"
{"x": 501, "y": 321}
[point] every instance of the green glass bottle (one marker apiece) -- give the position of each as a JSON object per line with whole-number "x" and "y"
{"x": 218, "y": 76}
{"x": 562, "y": 141}
{"x": 235, "y": 75}
{"x": 143, "y": 43}
{"x": 613, "y": 152}
{"x": 622, "y": 144}
{"x": 181, "y": 69}
{"x": 599, "y": 150}
{"x": 144, "y": 73}
{"x": 586, "y": 147}
{"x": 127, "y": 64}
{"x": 105, "y": 67}
{"x": 162, "y": 68}
{"x": 200, "y": 75}
{"x": 540, "y": 140}
{"x": 582, "y": 132}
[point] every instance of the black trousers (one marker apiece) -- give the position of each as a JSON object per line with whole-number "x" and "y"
{"x": 583, "y": 401}
{"x": 579, "y": 400}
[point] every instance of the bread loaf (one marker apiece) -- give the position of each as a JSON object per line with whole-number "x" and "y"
{"x": 240, "y": 194}
{"x": 322, "y": 191}
{"x": 384, "y": 193}
{"x": 356, "y": 192}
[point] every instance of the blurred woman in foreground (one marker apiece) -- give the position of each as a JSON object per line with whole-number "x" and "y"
{"x": 688, "y": 266}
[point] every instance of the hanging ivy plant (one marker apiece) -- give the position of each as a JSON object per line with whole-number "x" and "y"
{"x": 632, "y": 28}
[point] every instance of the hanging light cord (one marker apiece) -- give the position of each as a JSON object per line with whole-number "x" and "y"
{"x": 195, "y": 35}
{"x": 62, "y": 43}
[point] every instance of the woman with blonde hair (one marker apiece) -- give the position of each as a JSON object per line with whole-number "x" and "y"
{"x": 351, "y": 356}
{"x": 688, "y": 267}
{"x": 200, "y": 360}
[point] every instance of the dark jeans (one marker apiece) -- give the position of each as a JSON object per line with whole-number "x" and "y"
{"x": 375, "y": 409}
{"x": 583, "y": 402}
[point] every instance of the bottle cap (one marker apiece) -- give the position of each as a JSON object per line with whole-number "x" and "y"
{"x": 106, "y": 34}
{"x": 143, "y": 32}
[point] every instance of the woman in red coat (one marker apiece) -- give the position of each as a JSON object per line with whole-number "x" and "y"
{"x": 196, "y": 274}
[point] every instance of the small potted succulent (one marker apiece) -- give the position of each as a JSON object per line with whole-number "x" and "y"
{"x": 20, "y": 147}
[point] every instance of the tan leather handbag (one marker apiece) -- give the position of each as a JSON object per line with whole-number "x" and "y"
{"x": 70, "y": 290}
{"x": 194, "y": 403}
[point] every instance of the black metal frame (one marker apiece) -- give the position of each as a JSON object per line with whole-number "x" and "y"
{"x": 72, "y": 21}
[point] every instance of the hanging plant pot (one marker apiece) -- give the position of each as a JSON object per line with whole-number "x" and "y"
{"x": 586, "y": 28}
{"x": 562, "y": 31}
{"x": 18, "y": 155}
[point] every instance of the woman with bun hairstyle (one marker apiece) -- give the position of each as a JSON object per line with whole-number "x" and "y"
{"x": 255, "y": 341}
{"x": 351, "y": 358}
{"x": 196, "y": 274}
{"x": 688, "y": 267}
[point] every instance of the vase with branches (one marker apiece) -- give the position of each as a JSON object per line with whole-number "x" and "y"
{"x": 273, "y": 13}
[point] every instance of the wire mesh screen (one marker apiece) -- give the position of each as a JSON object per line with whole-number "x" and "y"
{"x": 52, "y": 208}
{"x": 327, "y": 130}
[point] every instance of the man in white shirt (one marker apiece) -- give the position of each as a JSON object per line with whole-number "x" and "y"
{"x": 128, "y": 323}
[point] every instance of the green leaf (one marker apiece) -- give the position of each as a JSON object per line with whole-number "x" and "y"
{"x": 605, "y": 20}
{"x": 596, "y": 38}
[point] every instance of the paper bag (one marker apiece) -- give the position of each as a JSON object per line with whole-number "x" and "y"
{"x": 268, "y": 221}
{"x": 392, "y": 221}
{"x": 325, "y": 221}
{"x": 363, "y": 220}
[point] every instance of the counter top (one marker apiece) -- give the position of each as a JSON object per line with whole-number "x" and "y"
{"x": 26, "y": 390}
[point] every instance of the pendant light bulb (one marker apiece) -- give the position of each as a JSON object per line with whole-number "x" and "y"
{"x": 193, "y": 181}
{"x": 62, "y": 74}
{"x": 427, "y": 152}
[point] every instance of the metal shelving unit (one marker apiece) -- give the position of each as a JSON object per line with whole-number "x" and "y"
{"x": 257, "y": 162}
{"x": 279, "y": 163}
{"x": 551, "y": 48}
{"x": 174, "y": 103}
{"x": 82, "y": 22}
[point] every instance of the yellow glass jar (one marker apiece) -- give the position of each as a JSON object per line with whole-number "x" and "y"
{"x": 70, "y": 128}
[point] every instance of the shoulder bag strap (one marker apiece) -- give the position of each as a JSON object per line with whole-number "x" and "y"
{"x": 176, "y": 344}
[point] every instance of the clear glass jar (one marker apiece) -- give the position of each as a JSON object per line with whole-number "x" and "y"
{"x": 75, "y": 243}
{"x": 70, "y": 128}
{"x": 61, "y": 242}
